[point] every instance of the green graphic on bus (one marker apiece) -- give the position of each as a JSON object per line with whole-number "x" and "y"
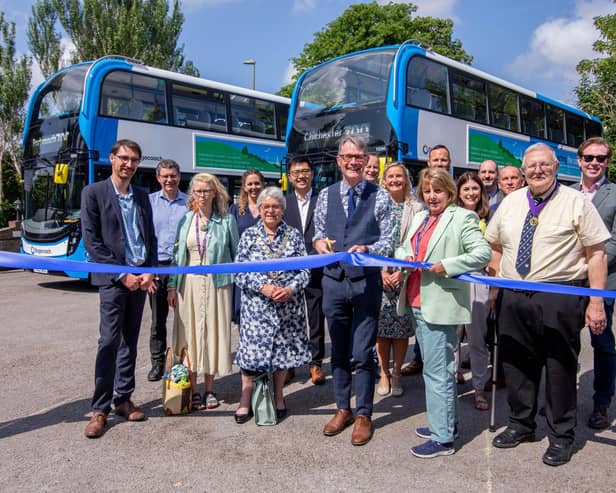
{"x": 233, "y": 155}
{"x": 499, "y": 148}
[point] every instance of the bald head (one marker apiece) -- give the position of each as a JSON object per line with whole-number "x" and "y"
{"x": 510, "y": 179}
{"x": 488, "y": 174}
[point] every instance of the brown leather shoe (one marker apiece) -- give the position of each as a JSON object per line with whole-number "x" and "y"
{"x": 129, "y": 411}
{"x": 342, "y": 419}
{"x": 96, "y": 427}
{"x": 316, "y": 375}
{"x": 413, "y": 368}
{"x": 362, "y": 431}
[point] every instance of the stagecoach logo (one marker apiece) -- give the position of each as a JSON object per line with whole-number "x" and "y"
{"x": 60, "y": 137}
{"x": 357, "y": 130}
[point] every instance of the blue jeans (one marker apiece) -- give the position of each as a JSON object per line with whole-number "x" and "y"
{"x": 437, "y": 345}
{"x": 604, "y": 352}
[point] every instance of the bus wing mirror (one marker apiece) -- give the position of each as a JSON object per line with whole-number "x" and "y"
{"x": 60, "y": 174}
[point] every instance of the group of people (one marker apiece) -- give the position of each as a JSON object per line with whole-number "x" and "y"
{"x": 486, "y": 223}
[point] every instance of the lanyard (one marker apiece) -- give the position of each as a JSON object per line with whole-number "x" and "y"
{"x": 204, "y": 229}
{"x": 426, "y": 226}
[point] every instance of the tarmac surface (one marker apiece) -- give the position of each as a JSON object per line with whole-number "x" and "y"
{"x": 49, "y": 334}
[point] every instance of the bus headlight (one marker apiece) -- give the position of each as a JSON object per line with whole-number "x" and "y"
{"x": 74, "y": 237}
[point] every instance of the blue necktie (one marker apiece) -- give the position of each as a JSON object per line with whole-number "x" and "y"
{"x": 351, "y": 205}
{"x": 522, "y": 263}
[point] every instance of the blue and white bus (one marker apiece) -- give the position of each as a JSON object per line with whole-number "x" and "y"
{"x": 76, "y": 115}
{"x": 405, "y": 99}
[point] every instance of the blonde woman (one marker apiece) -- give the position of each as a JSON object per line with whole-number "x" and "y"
{"x": 207, "y": 235}
{"x": 394, "y": 330}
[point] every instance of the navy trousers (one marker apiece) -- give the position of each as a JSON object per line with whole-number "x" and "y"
{"x": 120, "y": 319}
{"x": 352, "y": 312}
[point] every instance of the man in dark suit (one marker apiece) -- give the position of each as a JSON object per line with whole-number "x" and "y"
{"x": 353, "y": 215}
{"x": 594, "y": 157}
{"x": 117, "y": 228}
{"x": 300, "y": 208}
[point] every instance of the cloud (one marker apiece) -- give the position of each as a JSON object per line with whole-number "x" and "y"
{"x": 557, "y": 45}
{"x": 430, "y": 8}
{"x": 288, "y": 74}
{"x": 303, "y": 5}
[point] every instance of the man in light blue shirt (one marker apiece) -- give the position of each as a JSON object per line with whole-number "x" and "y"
{"x": 168, "y": 207}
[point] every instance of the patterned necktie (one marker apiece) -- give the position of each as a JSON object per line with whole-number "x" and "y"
{"x": 351, "y": 204}
{"x": 522, "y": 263}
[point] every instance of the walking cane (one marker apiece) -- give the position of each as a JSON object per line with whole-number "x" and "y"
{"x": 493, "y": 325}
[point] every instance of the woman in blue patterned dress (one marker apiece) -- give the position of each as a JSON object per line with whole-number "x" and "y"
{"x": 394, "y": 330}
{"x": 272, "y": 315}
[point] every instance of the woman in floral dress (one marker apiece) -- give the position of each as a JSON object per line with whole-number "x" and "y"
{"x": 394, "y": 330}
{"x": 272, "y": 316}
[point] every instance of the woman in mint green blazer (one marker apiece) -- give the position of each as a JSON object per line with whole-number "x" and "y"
{"x": 207, "y": 235}
{"x": 448, "y": 237}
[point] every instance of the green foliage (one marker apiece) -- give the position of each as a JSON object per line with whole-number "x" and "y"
{"x": 13, "y": 191}
{"x": 369, "y": 25}
{"x": 14, "y": 85}
{"x": 141, "y": 29}
{"x": 597, "y": 89}
{"x": 43, "y": 39}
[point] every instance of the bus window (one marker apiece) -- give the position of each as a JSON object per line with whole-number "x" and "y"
{"x": 426, "y": 85}
{"x": 468, "y": 97}
{"x": 575, "y": 129}
{"x": 503, "y": 108}
{"x": 593, "y": 129}
{"x": 198, "y": 108}
{"x": 133, "y": 96}
{"x": 63, "y": 96}
{"x": 556, "y": 123}
{"x": 250, "y": 116}
{"x": 533, "y": 117}
{"x": 283, "y": 116}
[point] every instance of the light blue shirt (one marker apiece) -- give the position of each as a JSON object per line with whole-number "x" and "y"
{"x": 167, "y": 215}
{"x": 135, "y": 251}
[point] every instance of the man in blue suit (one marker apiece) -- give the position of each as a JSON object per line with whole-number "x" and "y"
{"x": 353, "y": 215}
{"x": 594, "y": 157}
{"x": 117, "y": 228}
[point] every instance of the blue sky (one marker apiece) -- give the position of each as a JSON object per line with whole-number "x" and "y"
{"x": 534, "y": 43}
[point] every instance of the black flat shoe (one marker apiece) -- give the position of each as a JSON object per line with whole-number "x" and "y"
{"x": 281, "y": 414}
{"x": 511, "y": 438}
{"x": 558, "y": 454}
{"x": 240, "y": 419}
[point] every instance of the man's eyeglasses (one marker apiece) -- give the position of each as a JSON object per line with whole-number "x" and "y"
{"x": 128, "y": 159}
{"x": 589, "y": 158}
{"x": 300, "y": 172}
{"x": 169, "y": 177}
{"x": 347, "y": 158}
{"x": 204, "y": 192}
{"x": 542, "y": 166}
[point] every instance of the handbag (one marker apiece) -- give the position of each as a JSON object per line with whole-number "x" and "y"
{"x": 177, "y": 391}
{"x": 263, "y": 401}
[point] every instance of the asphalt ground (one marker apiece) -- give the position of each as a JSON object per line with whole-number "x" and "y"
{"x": 49, "y": 333}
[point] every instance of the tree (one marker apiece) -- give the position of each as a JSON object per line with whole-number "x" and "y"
{"x": 596, "y": 92}
{"x": 14, "y": 84}
{"x": 368, "y": 25}
{"x": 140, "y": 29}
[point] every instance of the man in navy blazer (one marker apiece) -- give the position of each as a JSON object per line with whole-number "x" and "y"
{"x": 594, "y": 157}
{"x": 300, "y": 209}
{"x": 117, "y": 228}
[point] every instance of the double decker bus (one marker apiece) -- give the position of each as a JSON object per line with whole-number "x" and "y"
{"x": 403, "y": 100}
{"x": 76, "y": 115}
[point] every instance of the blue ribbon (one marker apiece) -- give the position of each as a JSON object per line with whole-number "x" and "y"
{"x": 21, "y": 261}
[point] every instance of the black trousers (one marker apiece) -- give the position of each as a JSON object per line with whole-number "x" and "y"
{"x": 160, "y": 311}
{"x": 316, "y": 319}
{"x": 540, "y": 330}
